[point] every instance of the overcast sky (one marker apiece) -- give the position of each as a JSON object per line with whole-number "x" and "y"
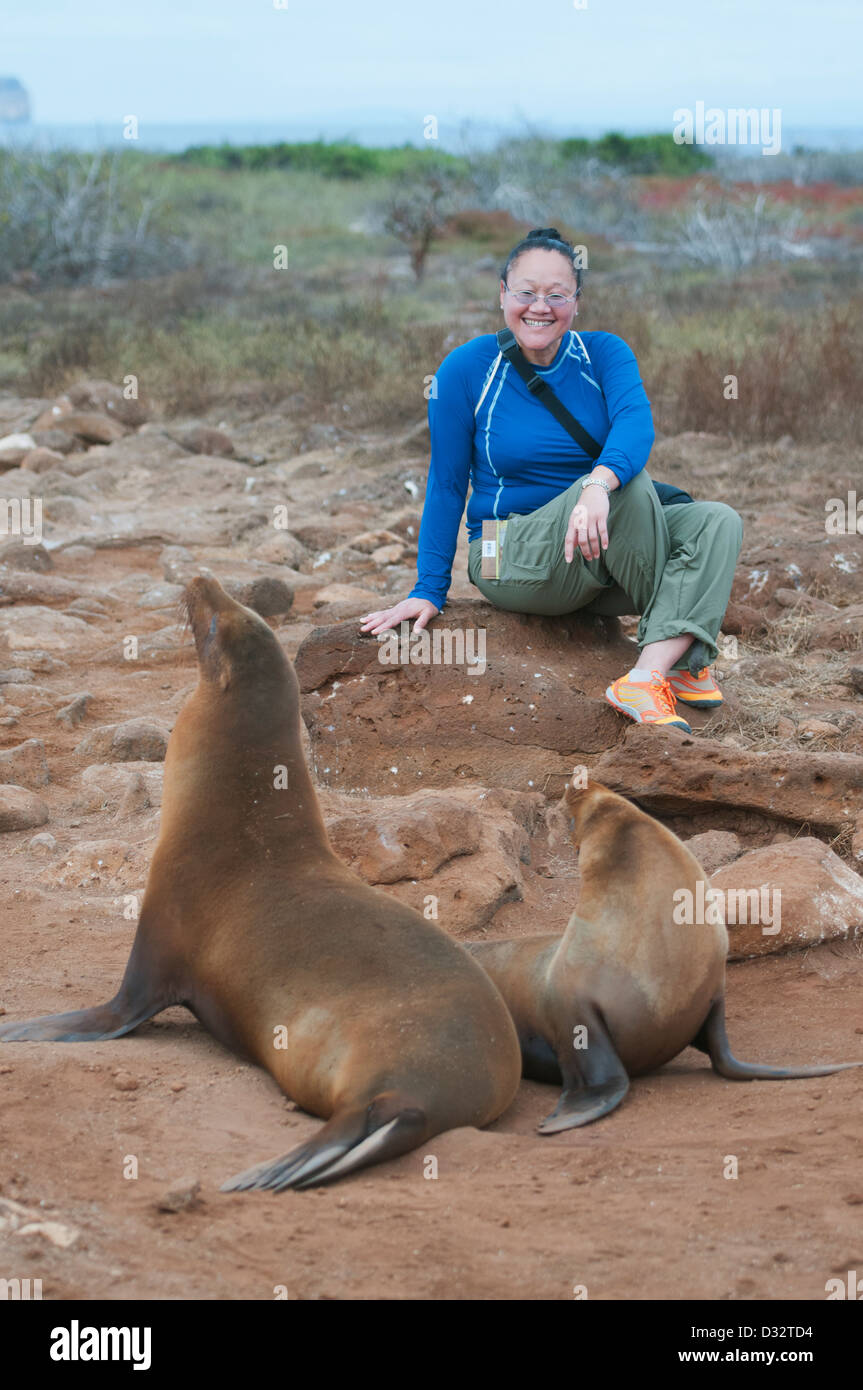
{"x": 615, "y": 63}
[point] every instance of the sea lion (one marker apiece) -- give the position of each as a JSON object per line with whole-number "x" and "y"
{"x": 626, "y": 987}
{"x": 393, "y": 1033}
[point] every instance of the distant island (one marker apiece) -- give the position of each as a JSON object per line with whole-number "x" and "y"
{"x": 14, "y": 101}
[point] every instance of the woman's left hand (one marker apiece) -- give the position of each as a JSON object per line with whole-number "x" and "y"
{"x": 588, "y": 525}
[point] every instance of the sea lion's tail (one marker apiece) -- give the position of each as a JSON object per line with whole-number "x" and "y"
{"x": 713, "y": 1039}
{"x": 388, "y": 1126}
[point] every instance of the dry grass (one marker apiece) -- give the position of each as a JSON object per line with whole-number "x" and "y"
{"x": 755, "y": 723}
{"x": 782, "y": 388}
{"x": 841, "y": 845}
{"x": 792, "y": 633}
{"x": 344, "y": 327}
{"x": 755, "y": 720}
{"x": 198, "y": 341}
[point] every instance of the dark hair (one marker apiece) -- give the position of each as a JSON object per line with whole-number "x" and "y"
{"x": 543, "y": 239}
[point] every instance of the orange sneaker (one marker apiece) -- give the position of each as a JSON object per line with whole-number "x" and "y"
{"x": 647, "y": 702}
{"x": 701, "y": 691}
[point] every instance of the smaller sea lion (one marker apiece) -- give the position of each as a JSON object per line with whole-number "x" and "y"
{"x": 626, "y": 988}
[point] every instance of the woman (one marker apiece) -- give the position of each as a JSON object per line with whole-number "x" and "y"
{"x": 580, "y": 534}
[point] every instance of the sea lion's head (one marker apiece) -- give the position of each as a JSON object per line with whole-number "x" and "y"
{"x": 235, "y": 645}
{"x": 583, "y": 798}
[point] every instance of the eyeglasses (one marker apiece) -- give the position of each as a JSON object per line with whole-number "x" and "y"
{"x": 554, "y": 301}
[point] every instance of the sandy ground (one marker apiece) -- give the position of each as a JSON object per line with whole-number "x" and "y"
{"x": 633, "y": 1207}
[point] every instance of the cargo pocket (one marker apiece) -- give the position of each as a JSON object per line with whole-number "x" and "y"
{"x": 528, "y": 552}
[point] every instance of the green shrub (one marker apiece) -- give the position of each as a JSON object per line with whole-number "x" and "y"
{"x": 639, "y": 154}
{"x": 338, "y": 159}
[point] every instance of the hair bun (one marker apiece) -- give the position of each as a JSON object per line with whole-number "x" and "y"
{"x": 545, "y": 239}
{"x": 544, "y": 232}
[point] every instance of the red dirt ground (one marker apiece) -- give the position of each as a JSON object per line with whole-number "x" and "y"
{"x": 633, "y": 1207}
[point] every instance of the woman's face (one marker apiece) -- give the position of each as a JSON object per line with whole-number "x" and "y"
{"x": 538, "y": 329}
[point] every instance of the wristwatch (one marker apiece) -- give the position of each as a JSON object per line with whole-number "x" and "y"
{"x": 595, "y": 482}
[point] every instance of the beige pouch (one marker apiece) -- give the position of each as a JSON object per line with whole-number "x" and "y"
{"x": 492, "y": 543}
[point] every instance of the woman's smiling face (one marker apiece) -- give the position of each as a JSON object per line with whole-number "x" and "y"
{"x": 538, "y": 328}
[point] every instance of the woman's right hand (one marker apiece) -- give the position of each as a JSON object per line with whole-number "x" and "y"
{"x": 385, "y": 618}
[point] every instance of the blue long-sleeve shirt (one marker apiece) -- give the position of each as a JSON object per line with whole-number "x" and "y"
{"x": 488, "y": 430}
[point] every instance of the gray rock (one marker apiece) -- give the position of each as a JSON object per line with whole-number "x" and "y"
{"x": 86, "y": 606}
{"x": 105, "y": 785}
{"x": 105, "y": 397}
{"x": 73, "y": 713}
{"x": 713, "y": 848}
{"x": 40, "y": 460}
{"x": 43, "y": 662}
{"x": 25, "y": 764}
{"x": 44, "y": 840}
{"x": 135, "y": 798}
{"x": 183, "y": 1196}
{"x": 20, "y": 809}
{"x": 279, "y": 548}
{"x": 269, "y": 597}
{"x": 203, "y": 439}
{"x": 60, "y": 440}
{"x": 160, "y": 596}
{"x": 174, "y": 559}
{"x": 132, "y": 741}
{"x": 29, "y": 627}
{"x": 19, "y": 556}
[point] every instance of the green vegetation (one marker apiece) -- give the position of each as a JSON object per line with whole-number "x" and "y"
{"x": 341, "y": 159}
{"x": 640, "y": 154}
{"x": 336, "y": 159}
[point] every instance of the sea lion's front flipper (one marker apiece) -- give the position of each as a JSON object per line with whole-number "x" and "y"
{"x": 713, "y": 1039}
{"x": 110, "y": 1020}
{"x": 142, "y": 994}
{"x": 385, "y": 1128}
{"x": 594, "y": 1078}
{"x": 139, "y": 997}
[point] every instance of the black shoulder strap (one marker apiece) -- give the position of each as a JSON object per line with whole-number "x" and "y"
{"x": 667, "y": 494}
{"x": 543, "y": 392}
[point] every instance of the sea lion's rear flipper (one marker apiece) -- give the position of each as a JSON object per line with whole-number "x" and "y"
{"x": 594, "y": 1078}
{"x": 713, "y": 1039}
{"x": 385, "y": 1128}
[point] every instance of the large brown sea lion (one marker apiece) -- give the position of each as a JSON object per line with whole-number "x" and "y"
{"x": 627, "y": 987}
{"x": 365, "y": 1013}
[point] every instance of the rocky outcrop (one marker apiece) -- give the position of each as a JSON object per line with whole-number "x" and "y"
{"x": 500, "y": 699}
{"x": 112, "y": 864}
{"x": 675, "y": 772}
{"x": 131, "y": 741}
{"x": 713, "y": 848}
{"x": 20, "y": 809}
{"x": 786, "y": 896}
{"x": 90, "y": 426}
{"x": 25, "y": 765}
{"x": 104, "y": 398}
{"x": 455, "y": 856}
{"x": 28, "y": 626}
{"x": 14, "y": 101}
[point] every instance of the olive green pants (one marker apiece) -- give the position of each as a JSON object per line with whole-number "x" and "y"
{"x": 673, "y": 566}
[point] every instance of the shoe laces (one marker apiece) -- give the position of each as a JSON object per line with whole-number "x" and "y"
{"x": 663, "y": 693}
